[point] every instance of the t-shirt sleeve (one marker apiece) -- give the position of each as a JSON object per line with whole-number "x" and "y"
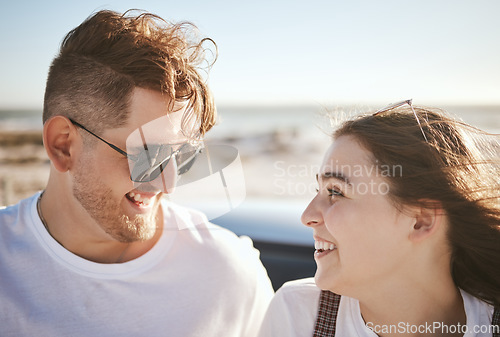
{"x": 263, "y": 290}
{"x": 292, "y": 311}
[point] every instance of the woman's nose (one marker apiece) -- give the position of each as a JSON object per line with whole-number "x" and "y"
{"x": 311, "y": 215}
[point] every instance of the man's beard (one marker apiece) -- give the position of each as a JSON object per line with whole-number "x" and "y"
{"x": 106, "y": 212}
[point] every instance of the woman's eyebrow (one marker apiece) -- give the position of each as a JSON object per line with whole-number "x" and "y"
{"x": 333, "y": 175}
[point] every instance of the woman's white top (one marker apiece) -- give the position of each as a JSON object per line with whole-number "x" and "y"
{"x": 294, "y": 309}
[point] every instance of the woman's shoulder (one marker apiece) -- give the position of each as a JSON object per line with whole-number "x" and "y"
{"x": 302, "y": 295}
{"x": 475, "y": 308}
{"x": 293, "y": 310}
{"x": 299, "y": 288}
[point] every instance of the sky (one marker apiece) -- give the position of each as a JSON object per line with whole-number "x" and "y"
{"x": 292, "y": 52}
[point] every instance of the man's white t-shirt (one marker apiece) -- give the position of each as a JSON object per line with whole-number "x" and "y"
{"x": 198, "y": 280}
{"x": 294, "y": 308}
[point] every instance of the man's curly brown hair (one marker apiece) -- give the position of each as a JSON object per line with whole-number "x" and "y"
{"x": 102, "y": 60}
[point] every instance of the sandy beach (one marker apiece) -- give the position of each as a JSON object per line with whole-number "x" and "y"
{"x": 24, "y": 165}
{"x": 280, "y": 150}
{"x": 279, "y": 164}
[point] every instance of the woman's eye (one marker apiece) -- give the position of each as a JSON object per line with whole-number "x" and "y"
{"x": 332, "y": 192}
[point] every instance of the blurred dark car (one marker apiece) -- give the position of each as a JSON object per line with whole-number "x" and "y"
{"x": 286, "y": 246}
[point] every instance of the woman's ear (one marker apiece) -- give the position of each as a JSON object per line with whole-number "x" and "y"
{"x": 428, "y": 221}
{"x": 59, "y": 137}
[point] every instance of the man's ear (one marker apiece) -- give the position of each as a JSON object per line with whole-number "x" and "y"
{"x": 59, "y": 137}
{"x": 428, "y": 220}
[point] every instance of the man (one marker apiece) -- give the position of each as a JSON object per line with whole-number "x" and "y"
{"x": 100, "y": 252}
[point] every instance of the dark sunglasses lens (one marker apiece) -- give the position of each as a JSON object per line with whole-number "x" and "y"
{"x": 140, "y": 170}
{"x": 186, "y": 158}
{"x": 151, "y": 163}
{"x": 156, "y": 171}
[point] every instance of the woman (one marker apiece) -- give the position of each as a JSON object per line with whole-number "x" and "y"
{"x": 406, "y": 225}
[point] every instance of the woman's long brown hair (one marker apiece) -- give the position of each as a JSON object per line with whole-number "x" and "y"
{"x": 457, "y": 166}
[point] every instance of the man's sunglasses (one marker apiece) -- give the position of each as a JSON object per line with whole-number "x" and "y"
{"x": 152, "y": 159}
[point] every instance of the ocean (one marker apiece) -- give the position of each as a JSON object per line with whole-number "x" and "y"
{"x": 240, "y": 121}
{"x": 280, "y": 148}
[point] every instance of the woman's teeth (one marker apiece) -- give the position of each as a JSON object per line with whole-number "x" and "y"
{"x": 323, "y": 245}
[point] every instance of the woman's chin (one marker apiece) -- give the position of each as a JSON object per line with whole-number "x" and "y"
{"x": 323, "y": 281}
{"x": 329, "y": 281}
